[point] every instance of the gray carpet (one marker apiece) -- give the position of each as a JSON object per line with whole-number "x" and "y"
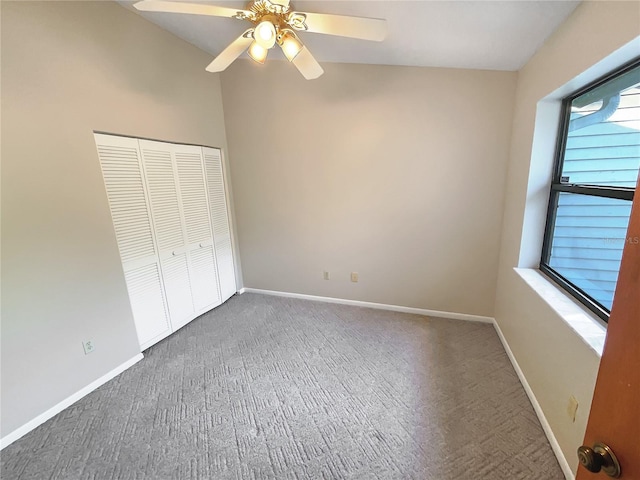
{"x": 273, "y": 388}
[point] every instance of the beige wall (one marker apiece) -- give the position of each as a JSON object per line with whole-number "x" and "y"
{"x": 396, "y": 173}
{"x": 69, "y": 68}
{"x": 555, "y": 361}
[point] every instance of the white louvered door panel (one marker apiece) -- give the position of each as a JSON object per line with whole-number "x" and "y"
{"x": 124, "y": 182}
{"x": 169, "y": 229}
{"x": 203, "y": 266}
{"x": 200, "y": 249}
{"x": 218, "y": 208}
{"x": 177, "y": 280}
{"x": 147, "y": 303}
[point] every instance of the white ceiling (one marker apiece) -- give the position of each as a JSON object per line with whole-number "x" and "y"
{"x": 494, "y": 35}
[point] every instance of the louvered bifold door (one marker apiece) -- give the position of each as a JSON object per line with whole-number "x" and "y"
{"x": 169, "y": 228}
{"x": 200, "y": 248}
{"x": 218, "y": 207}
{"x": 124, "y": 182}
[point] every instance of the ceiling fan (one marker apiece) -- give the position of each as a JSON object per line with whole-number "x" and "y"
{"x": 274, "y": 22}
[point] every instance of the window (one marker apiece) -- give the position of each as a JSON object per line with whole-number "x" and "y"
{"x": 594, "y": 181}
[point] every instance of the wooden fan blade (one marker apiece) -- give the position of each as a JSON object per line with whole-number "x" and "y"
{"x": 233, "y": 51}
{"x": 190, "y": 8}
{"x": 341, "y": 25}
{"x": 307, "y": 65}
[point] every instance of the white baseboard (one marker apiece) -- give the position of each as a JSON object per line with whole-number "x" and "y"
{"x": 564, "y": 465}
{"x": 43, "y": 417}
{"x": 555, "y": 446}
{"x": 379, "y": 306}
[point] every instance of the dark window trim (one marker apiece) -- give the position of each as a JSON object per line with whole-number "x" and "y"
{"x": 577, "y": 293}
{"x": 605, "y": 78}
{"x": 622, "y": 193}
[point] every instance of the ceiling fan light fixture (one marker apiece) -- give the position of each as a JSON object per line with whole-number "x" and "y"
{"x": 257, "y": 52}
{"x": 290, "y": 44}
{"x": 273, "y": 21}
{"x": 265, "y": 34}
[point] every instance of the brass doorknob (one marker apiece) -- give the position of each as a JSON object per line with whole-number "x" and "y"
{"x": 600, "y": 457}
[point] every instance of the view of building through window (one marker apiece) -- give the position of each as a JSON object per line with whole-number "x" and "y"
{"x": 593, "y": 187}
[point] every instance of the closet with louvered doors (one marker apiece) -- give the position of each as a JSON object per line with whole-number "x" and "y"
{"x": 180, "y": 205}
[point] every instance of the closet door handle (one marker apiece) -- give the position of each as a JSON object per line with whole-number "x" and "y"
{"x": 174, "y": 253}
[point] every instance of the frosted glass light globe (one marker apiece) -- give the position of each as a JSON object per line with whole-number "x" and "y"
{"x": 265, "y": 34}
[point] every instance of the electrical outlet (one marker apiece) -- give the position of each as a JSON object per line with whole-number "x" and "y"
{"x": 88, "y": 347}
{"x": 326, "y": 275}
{"x": 572, "y": 408}
{"x": 354, "y": 276}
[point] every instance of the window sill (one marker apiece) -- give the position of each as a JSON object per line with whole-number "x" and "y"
{"x": 590, "y": 330}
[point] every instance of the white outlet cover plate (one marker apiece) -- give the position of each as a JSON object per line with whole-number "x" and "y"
{"x": 88, "y": 347}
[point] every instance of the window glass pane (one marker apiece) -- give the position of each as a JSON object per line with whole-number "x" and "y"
{"x": 588, "y": 238}
{"x": 603, "y": 141}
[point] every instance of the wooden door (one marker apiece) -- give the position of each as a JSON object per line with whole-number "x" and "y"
{"x": 615, "y": 411}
